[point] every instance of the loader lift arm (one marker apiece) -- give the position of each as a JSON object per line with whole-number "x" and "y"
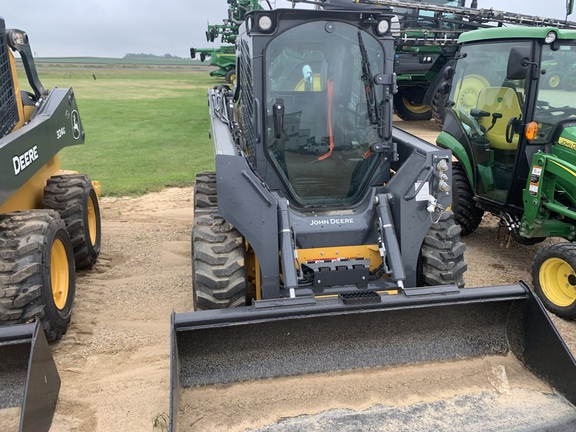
{"x": 18, "y": 40}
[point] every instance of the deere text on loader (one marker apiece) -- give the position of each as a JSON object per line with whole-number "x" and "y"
{"x": 511, "y": 124}
{"x": 324, "y": 240}
{"x": 49, "y": 227}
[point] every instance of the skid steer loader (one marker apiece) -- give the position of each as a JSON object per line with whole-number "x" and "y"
{"x": 324, "y": 240}
{"x": 511, "y": 123}
{"x": 49, "y": 227}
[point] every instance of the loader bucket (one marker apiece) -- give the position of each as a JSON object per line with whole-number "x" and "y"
{"x": 29, "y": 380}
{"x": 419, "y": 327}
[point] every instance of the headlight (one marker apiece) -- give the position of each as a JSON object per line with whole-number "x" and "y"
{"x": 265, "y": 23}
{"x": 550, "y": 37}
{"x": 382, "y": 27}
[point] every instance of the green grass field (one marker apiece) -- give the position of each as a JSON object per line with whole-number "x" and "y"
{"x": 139, "y": 61}
{"x": 146, "y": 128}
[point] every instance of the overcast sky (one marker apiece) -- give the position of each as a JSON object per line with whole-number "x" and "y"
{"x": 113, "y": 28}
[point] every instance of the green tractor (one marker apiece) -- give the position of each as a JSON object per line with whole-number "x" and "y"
{"x": 514, "y": 137}
{"x": 423, "y": 46}
{"x": 228, "y": 31}
{"x": 224, "y": 58}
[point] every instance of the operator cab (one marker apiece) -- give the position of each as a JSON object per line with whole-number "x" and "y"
{"x": 556, "y": 92}
{"x": 491, "y": 104}
{"x": 326, "y": 116}
{"x": 487, "y": 103}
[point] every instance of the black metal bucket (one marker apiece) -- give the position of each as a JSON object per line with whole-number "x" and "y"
{"x": 29, "y": 380}
{"x": 423, "y": 325}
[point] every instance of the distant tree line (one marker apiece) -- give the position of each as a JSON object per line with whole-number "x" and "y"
{"x": 142, "y": 55}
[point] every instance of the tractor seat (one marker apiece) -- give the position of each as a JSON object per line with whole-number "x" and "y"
{"x": 502, "y": 100}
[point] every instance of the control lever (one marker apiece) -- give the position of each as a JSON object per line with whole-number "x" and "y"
{"x": 278, "y": 113}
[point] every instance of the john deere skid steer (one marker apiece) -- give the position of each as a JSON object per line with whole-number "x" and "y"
{"x": 324, "y": 240}
{"x": 49, "y": 226}
{"x": 511, "y": 123}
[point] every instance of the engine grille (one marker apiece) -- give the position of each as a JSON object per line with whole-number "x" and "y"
{"x": 8, "y": 104}
{"x": 247, "y": 103}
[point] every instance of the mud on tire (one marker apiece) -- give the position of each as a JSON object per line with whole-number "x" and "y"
{"x": 37, "y": 274}
{"x": 442, "y": 254}
{"x": 74, "y": 198}
{"x": 218, "y": 252}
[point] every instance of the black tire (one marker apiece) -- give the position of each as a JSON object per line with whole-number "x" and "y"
{"x": 205, "y": 192}
{"x": 442, "y": 254}
{"x": 37, "y": 274}
{"x": 466, "y": 213}
{"x": 231, "y": 76}
{"x": 408, "y": 110}
{"x": 218, "y": 263}
{"x": 526, "y": 241}
{"x": 74, "y": 198}
{"x": 554, "y": 278}
{"x": 218, "y": 252}
{"x": 439, "y": 107}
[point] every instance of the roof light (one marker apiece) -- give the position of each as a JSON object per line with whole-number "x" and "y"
{"x": 382, "y": 27}
{"x": 550, "y": 37}
{"x": 265, "y": 23}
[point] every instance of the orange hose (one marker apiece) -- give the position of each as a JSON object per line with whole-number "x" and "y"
{"x": 329, "y": 126}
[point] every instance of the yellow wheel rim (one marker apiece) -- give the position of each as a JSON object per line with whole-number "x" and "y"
{"x": 233, "y": 79}
{"x": 92, "y": 222}
{"x": 468, "y": 92}
{"x": 554, "y": 81}
{"x": 558, "y": 282}
{"x": 59, "y": 274}
{"x": 415, "y": 108}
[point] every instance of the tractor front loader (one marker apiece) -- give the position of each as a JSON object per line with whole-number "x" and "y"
{"x": 324, "y": 241}
{"x": 49, "y": 227}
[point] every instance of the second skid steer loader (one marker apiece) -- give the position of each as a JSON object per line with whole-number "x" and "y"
{"x": 49, "y": 227}
{"x": 324, "y": 241}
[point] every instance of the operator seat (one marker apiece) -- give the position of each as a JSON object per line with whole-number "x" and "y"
{"x": 502, "y": 100}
